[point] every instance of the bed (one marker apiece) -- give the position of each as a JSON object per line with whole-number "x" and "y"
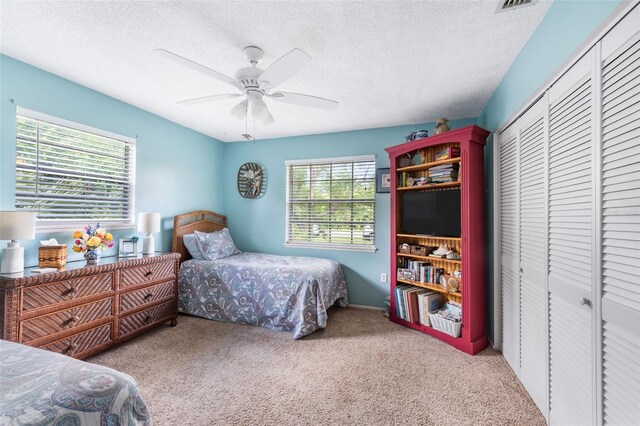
{"x": 282, "y": 293}
{"x": 42, "y": 387}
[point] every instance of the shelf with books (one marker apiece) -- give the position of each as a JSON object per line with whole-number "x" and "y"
{"x": 426, "y": 166}
{"x": 430, "y": 258}
{"x": 436, "y": 288}
{"x": 463, "y": 174}
{"x": 429, "y": 186}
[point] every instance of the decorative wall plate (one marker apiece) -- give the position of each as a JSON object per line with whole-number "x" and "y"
{"x": 250, "y": 180}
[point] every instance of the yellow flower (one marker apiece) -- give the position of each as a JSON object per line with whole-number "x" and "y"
{"x": 108, "y": 236}
{"x": 77, "y": 234}
{"x": 94, "y": 242}
{"x": 76, "y": 249}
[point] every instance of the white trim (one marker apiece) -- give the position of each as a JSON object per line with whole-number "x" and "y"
{"x": 72, "y": 124}
{"x": 616, "y": 16}
{"x": 370, "y": 308}
{"x": 356, "y": 158}
{"x": 344, "y": 247}
{"x": 497, "y": 281}
{"x": 70, "y": 227}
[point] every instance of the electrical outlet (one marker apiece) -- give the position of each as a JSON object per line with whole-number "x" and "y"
{"x": 383, "y": 277}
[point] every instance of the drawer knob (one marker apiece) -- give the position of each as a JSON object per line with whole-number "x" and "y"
{"x": 73, "y": 319}
{"x": 70, "y": 292}
{"x": 147, "y": 319}
{"x": 69, "y": 348}
{"x": 148, "y": 296}
{"x": 148, "y": 273}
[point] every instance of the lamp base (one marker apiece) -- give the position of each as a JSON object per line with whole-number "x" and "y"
{"x": 148, "y": 244}
{"x": 12, "y": 258}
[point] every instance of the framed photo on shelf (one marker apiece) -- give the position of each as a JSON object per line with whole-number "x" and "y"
{"x": 383, "y": 180}
{"x": 128, "y": 247}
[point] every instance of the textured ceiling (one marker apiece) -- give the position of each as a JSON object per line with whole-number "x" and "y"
{"x": 386, "y": 62}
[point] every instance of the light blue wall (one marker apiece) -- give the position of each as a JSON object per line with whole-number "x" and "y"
{"x": 170, "y": 158}
{"x": 564, "y": 28}
{"x": 259, "y": 224}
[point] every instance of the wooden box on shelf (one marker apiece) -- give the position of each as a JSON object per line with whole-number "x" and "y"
{"x": 465, "y": 175}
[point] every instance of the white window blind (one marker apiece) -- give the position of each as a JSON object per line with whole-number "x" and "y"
{"x": 71, "y": 174}
{"x": 331, "y": 203}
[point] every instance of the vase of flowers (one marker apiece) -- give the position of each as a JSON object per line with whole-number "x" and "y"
{"x": 91, "y": 241}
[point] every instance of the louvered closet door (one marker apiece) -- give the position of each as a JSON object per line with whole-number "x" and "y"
{"x": 571, "y": 192}
{"x": 621, "y": 222}
{"x": 509, "y": 246}
{"x": 533, "y": 253}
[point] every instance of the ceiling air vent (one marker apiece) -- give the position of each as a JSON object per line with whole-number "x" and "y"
{"x": 504, "y": 5}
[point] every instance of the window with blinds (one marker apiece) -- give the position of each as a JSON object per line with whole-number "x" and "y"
{"x": 70, "y": 174}
{"x": 331, "y": 203}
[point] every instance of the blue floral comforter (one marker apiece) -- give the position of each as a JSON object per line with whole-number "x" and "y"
{"x": 278, "y": 292}
{"x": 39, "y": 387}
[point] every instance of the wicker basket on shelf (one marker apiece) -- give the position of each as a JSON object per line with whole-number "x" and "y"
{"x": 418, "y": 250}
{"x": 52, "y": 256}
{"x": 404, "y": 248}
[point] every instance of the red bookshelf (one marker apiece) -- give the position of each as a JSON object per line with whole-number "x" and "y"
{"x": 470, "y": 244}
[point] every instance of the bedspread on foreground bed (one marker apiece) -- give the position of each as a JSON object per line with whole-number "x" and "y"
{"x": 278, "y": 292}
{"x": 41, "y": 387}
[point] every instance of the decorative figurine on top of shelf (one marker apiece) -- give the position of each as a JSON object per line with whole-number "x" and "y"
{"x": 442, "y": 125}
{"x": 416, "y": 135}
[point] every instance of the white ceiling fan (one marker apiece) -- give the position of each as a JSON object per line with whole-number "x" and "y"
{"x": 256, "y": 84}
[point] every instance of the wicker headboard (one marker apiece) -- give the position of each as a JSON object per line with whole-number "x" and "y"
{"x": 200, "y": 220}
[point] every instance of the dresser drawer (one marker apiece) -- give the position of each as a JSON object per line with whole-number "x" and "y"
{"x": 134, "y": 322}
{"x": 148, "y": 273}
{"x": 67, "y": 319}
{"x": 63, "y": 291}
{"x": 144, "y": 296}
{"x": 78, "y": 344}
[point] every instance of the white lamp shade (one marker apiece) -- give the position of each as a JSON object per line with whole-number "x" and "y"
{"x": 149, "y": 222}
{"x": 17, "y": 225}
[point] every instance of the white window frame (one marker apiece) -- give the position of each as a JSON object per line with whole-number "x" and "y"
{"x": 328, "y": 246}
{"x": 62, "y": 226}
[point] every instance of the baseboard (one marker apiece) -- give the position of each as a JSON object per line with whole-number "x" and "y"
{"x": 375, "y": 308}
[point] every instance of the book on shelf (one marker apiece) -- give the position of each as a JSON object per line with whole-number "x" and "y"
{"x": 428, "y": 302}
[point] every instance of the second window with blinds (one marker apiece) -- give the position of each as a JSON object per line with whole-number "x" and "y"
{"x": 331, "y": 203}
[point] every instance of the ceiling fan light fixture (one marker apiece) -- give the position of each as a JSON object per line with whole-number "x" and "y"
{"x": 240, "y": 111}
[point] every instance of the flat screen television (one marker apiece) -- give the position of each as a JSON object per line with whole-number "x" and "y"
{"x": 434, "y": 213}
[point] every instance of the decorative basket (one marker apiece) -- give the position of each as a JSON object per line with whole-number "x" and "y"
{"x": 404, "y": 249}
{"x": 451, "y": 328}
{"x": 419, "y": 250}
{"x": 52, "y": 256}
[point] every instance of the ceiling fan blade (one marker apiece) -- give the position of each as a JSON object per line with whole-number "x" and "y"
{"x": 284, "y": 68}
{"x": 261, "y": 112}
{"x": 304, "y": 100}
{"x": 211, "y": 98}
{"x": 240, "y": 111}
{"x": 197, "y": 67}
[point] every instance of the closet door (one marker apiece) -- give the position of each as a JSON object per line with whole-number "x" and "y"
{"x": 621, "y": 222}
{"x": 571, "y": 278}
{"x": 533, "y": 253}
{"x": 509, "y": 246}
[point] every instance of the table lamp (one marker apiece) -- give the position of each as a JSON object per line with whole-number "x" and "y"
{"x": 15, "y": 226}
{"x": 149, "y": 223}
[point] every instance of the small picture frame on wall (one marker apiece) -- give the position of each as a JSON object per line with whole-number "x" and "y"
{"x": 128, "y": 247}
{"x": 383, "y": 180}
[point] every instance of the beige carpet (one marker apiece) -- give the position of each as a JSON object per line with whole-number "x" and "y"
{"x": 362, "y": 369}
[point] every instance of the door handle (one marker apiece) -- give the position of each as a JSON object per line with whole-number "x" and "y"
{"x": 585, "y": 301}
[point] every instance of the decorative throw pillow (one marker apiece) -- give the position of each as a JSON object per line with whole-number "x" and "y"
{"x": 216, "y": 245}
{"x": 191, "y": 243}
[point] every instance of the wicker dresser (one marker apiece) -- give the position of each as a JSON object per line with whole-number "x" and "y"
{"x": 84, "y": 309}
